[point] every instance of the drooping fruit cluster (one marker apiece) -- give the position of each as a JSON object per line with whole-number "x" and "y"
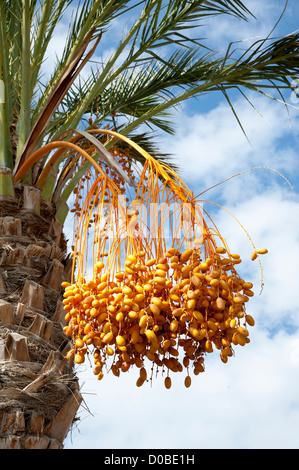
{"x": 161, "y": 299}
{"x": 169, "y": 312}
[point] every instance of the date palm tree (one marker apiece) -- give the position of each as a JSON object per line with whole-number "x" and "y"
{"x": 51, "y": 142}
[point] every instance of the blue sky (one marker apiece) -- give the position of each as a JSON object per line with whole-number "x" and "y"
{"x": 252, "y": 401}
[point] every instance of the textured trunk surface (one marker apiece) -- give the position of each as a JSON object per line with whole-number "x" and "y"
{"x": 39, "y": 392}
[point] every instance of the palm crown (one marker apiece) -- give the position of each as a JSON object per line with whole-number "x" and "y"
{"x": 156, "y": 65}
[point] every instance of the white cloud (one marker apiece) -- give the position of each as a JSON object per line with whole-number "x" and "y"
{"x": 268, "y": 217}
{"x": 211, "y": 146}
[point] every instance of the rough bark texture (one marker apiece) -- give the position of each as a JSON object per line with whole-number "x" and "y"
{"x": 39, "y": 392}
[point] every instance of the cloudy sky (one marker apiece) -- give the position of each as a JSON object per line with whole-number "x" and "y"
{"x": 253, "y": 400}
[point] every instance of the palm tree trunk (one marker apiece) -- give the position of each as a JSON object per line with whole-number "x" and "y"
{"x": 39, "y": 392}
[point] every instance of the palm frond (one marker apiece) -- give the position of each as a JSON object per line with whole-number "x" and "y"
{"x": 271, "y": 67}
{"x": 65, "y": 82}
{"x": 45, "y": 20}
